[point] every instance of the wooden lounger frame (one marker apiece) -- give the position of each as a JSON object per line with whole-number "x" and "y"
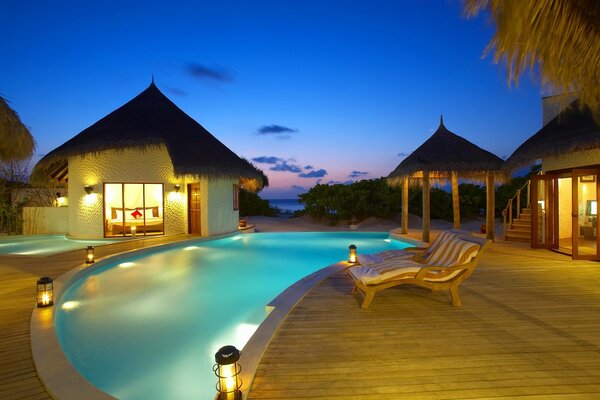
{"x": 420, "y": 278}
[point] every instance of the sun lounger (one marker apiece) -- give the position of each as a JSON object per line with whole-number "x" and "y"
{"x": 445, "y": 269}
{"x": 421, "y": 253}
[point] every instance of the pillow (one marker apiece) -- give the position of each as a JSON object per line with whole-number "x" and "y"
{"x": 137, "y": 214}
{"x": 118, "y": 214}
{"x": 151, "y": 211}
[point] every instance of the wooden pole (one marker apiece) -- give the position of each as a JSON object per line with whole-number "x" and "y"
{"x": 490, "y": 223}
{"x": 404, "y": 229}
{"x": 426, "y": 204}
{"x": 455, "y": 200}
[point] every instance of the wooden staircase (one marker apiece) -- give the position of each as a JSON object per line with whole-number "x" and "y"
{"x": 520, "y": 231}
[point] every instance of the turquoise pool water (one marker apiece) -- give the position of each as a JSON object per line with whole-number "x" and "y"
{"x": 148, "y": 327}
{"x": 44, "y": 245}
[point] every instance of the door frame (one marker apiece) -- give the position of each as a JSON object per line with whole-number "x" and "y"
{"x": 194, "y": 213}
{"x": 576, "y": 173}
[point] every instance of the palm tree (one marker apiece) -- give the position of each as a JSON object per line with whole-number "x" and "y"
{"x": 558, "y": 38}
{"x": 16, "y": 142}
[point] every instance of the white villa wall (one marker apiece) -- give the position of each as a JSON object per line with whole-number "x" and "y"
{"x": 223, "y": 218}
{"x": 151, "y": 165}
{"x": 43, "y": 220}
{"x": 571, "y": 160}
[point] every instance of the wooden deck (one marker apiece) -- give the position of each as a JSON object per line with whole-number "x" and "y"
{"x": 18, "y": 275}
{"x": 529, "y": 327}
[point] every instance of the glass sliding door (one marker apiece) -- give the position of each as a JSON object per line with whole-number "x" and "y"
{"x": 544, "y": 215}
{"x": 585, "y": 214}
{"x": 132, "y": 209}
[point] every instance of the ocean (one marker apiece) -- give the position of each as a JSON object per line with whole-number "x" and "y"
{"x": 286, "y": 205}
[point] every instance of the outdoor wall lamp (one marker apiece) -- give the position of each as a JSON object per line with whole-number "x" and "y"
{"x": 88, "y": 189}
{"x": 89, "y": 255}
{"x": 227, "y": 371}
{"x": 352, "y": 254}
{"x": 45, "y": 292}
{"x": 177, "y": 187}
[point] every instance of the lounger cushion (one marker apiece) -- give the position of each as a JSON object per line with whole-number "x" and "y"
{"x": 441, "y": 238}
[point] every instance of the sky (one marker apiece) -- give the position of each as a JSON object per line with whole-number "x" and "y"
{"x": 309, "y": 91}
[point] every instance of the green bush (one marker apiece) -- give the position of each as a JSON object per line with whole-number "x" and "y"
{"x": 252, "y": 204}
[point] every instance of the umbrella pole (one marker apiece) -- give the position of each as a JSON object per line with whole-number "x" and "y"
{"x": 426, "y": 205}
{"x": 490, "y": 221}
{"x": 455, "y": 200}
{"x": 404, "y": 229}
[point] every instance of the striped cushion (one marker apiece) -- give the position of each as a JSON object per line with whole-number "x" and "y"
{"x": 453, "y": 252}
{"x": 441, "y": 238}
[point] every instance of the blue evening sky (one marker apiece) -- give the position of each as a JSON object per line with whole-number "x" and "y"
{"x": 310, "y": 91}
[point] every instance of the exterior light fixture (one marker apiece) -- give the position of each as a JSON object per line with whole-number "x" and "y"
{"x": 227, "y": 371}
{"x": 177, "y": 187}
{"x": 133, "y": 231}
{"x": 88, "y": 189}
{"x": 45, "y": 292}
{"x": 89, "y": 255}
{"x": 352, "y": 254}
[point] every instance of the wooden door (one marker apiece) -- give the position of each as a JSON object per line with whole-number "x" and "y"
{"x": 586, "y": 243}
{"x": 194, "y": 215}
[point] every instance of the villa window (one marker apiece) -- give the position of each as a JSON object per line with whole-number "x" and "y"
{"x": 132, "y": 209}
{"x": 236, "y": 197}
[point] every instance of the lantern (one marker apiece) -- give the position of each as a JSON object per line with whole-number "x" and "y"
{"x": 133, "y": 231}
{"x": 89, "y": 256}
{"x": 45, "y": 292}
{"x": 352, "y": 254}
{"x": 89, "y": 189}
{"x": 227, "y": 370}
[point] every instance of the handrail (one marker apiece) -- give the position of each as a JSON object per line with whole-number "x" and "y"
{"x": 509, "y": 207}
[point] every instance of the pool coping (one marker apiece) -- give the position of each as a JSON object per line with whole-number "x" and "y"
{"x": 61, "y": 379}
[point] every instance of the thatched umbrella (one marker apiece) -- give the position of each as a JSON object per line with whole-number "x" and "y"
{"x": 151, "y": 120}
{"x": 16, "y": 142}
{"x": 558, "y": 38}
{"x": 446, "y": 156}
{"x": 574, "y": 129}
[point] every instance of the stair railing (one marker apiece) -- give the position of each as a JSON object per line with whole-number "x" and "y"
{"x": 508, "y": 211}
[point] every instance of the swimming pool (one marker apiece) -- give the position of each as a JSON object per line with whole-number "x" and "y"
{"x": 44, "y": 245}
{"x": 148, "y": 327}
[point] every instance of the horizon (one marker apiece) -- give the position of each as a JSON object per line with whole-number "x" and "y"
{"x": 310, "y": 92}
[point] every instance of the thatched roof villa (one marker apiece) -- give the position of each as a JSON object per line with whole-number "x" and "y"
{"x": 148, "y": 168}
{"x": 564, "y": 197}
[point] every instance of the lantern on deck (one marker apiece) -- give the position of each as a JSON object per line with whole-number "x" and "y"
{"x": 89, "y": 255}
{"x": 133, "y": 231}
{"x": 45, "y": 292}
{"x": 352, "y": 254}
{"x": 227, "y": 371}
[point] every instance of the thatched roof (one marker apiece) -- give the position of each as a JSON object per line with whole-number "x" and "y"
{"x": 151, "y": 119}
{"x": 443, "y": 153}
{"x": 559, "y": 39}
{"x": 16, "y": 142}
{"x": 574, "y": 129}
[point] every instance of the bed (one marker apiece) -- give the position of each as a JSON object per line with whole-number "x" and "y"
{"x": 144, "y": 219}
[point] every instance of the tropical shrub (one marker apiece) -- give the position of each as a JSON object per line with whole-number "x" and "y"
{"x": 252, "y": 204}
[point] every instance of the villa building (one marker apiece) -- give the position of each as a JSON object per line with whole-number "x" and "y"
{"x": 564, "y": 197}
{"x": 148, "y": 168}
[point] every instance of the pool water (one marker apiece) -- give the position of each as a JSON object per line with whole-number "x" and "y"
{"x": 44, "y": 245}
{"x": 148, "y": 327}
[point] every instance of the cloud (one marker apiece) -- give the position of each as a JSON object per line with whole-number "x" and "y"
{"x": 356, "y": 174}
{"x": 203, "y": 72}
{"x": 267, "y": 160}
{"x": 275, "y": 130}
{"x": 298, "y": 187}
{"x": 308, "y": 167}
{"x": 313, "y": 174}
{"x": 403, "y": 154}
{"x": 176, "y": 91}
{"x": 340, "y": 183}
{"x": 284, "y": 166}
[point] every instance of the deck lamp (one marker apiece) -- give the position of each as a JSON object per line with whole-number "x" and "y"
{"x": 227, "y": 371}
{"x": 177, "y": 187}
{"x": 88, "y": 189}
{"x": 45, "y": 292}
{"x": 89, "y": 255}
{"x": 352, "y": 254}
{"x": 133, "y": 231}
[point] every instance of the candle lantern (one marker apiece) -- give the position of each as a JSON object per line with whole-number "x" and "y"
{"x": 89, "y": 256}
{"x": 133, "y": 231}
{"x": 45, "y": 292}
{"x": 352, "y": 254}
{"x": 227, "y": 371}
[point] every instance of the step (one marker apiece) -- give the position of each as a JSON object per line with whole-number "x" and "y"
{"x": 518, "y": 236}
{"x": 518, "y": 239}
{"x": 521, "y": 224}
